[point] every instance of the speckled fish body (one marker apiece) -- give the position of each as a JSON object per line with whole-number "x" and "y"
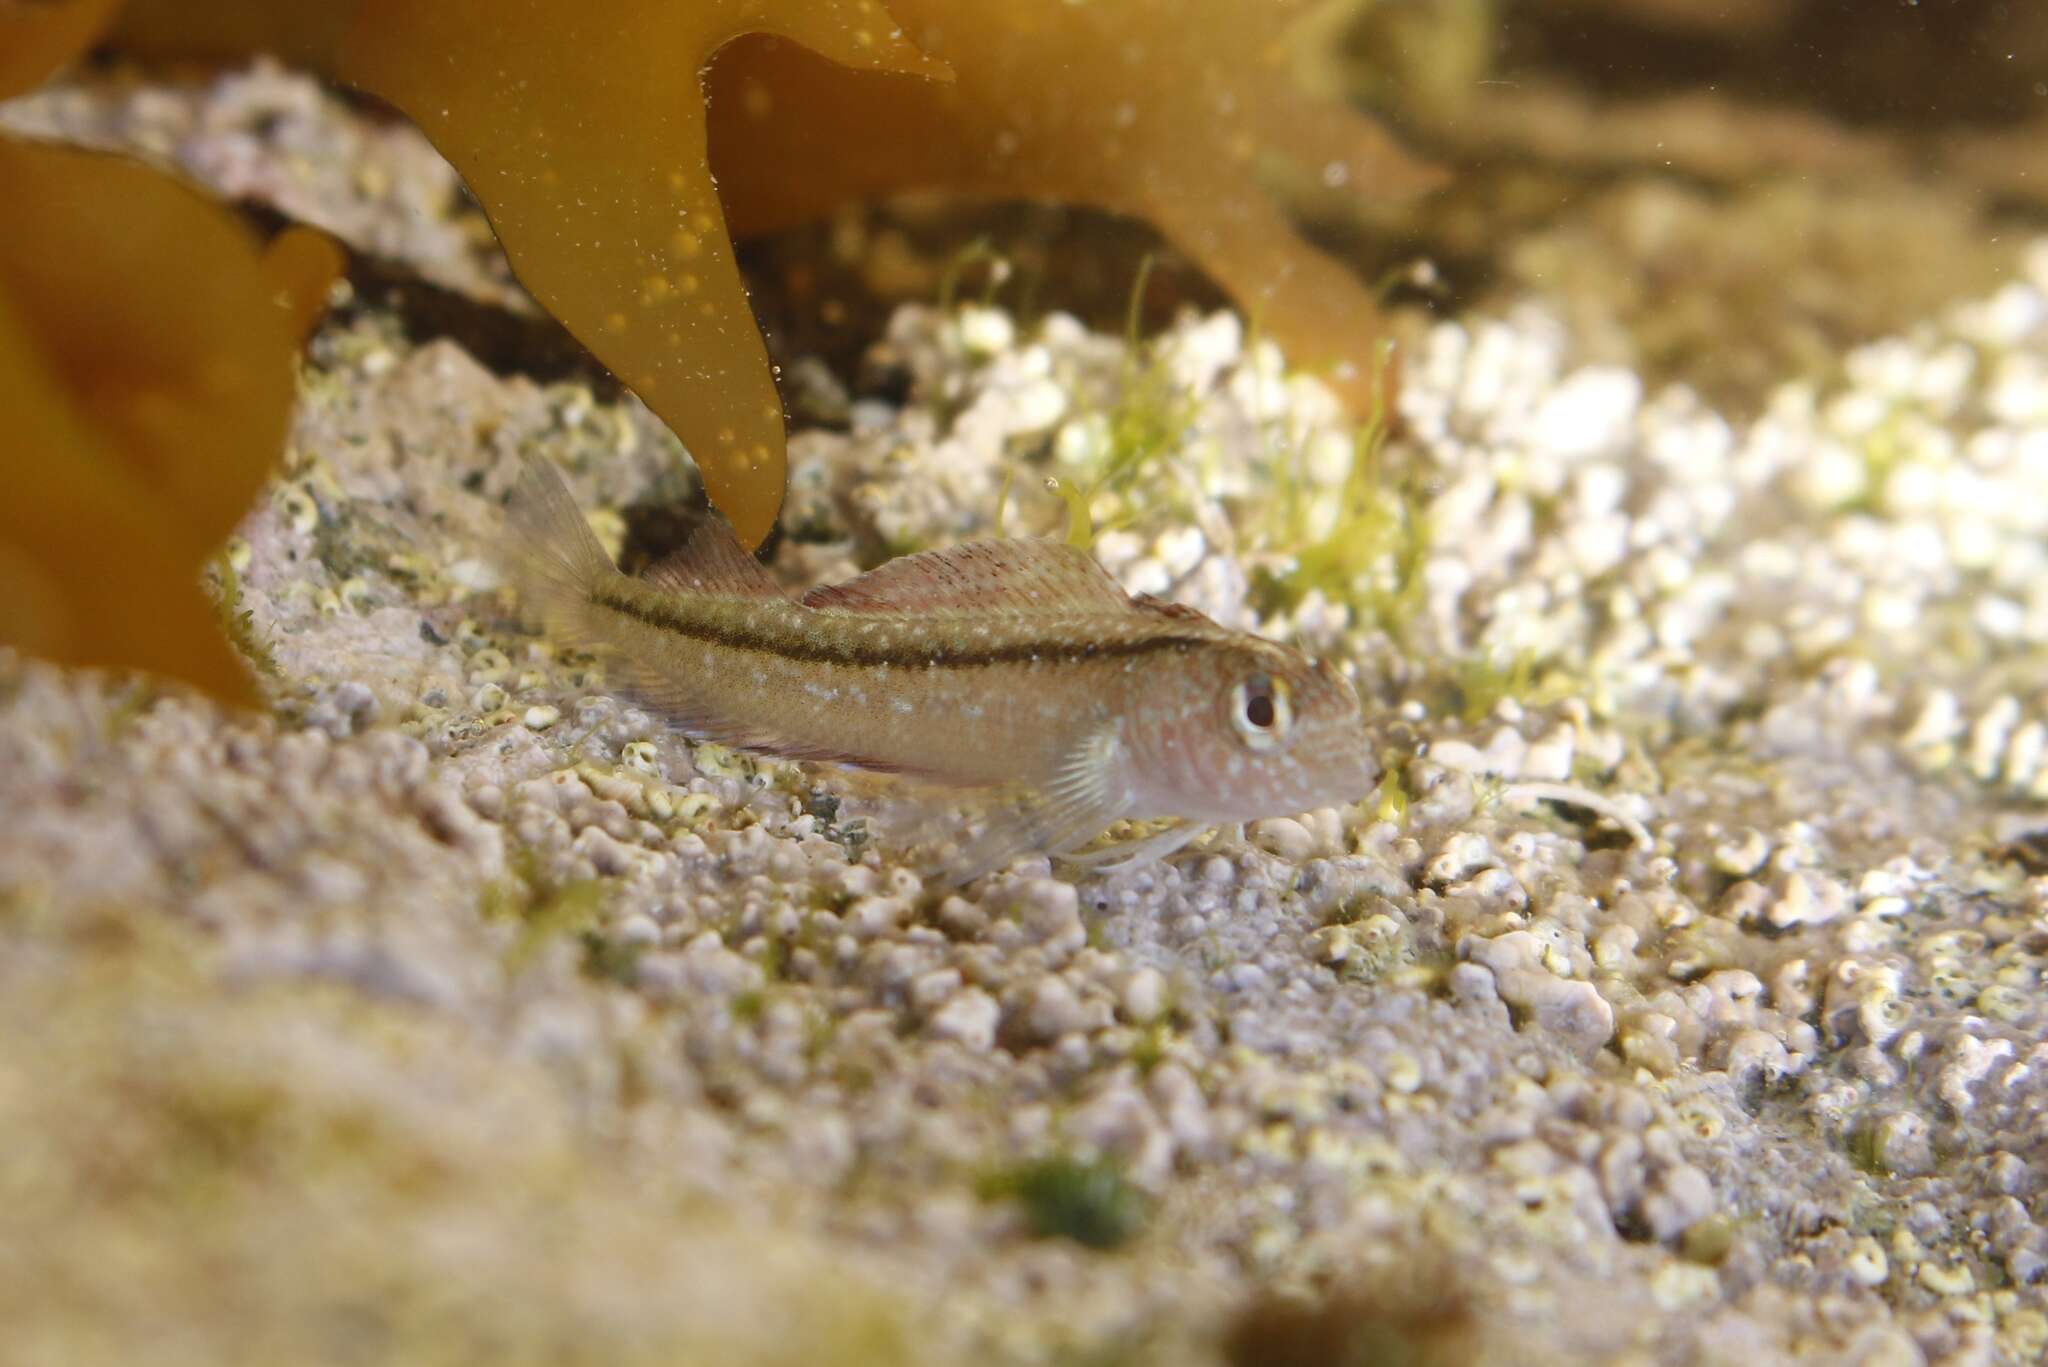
{"x": 1017, "y": 664}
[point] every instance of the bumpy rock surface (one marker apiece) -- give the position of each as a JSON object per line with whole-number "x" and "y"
{"x": 1679, "y": 998}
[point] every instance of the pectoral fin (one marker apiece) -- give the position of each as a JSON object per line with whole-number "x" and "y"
{"x": 1085, "y": 797}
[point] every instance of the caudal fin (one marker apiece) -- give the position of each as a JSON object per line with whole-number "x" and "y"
{"x": 550, "y": 554}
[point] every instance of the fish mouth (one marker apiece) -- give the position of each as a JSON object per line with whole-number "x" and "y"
{"x": 1358, "y": 782}
{"x": 1339, "y": 789}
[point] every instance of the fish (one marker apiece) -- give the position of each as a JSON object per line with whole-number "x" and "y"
{"x": 1013, "y": 665}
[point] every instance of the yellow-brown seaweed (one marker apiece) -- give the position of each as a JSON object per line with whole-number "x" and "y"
{"x": 146, "y": 380}
{"x": 38, "y": 39}
{"x": 1170, "y": 111}
{"x": 582, "y": 129}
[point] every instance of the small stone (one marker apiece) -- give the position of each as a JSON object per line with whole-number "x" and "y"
{"x": 1037, "y": 406}
{"x": 638, "y": 932}
{"x": 1462, "y": 855}
{"x": 1458, "y": 755}
{"x": 1990, "y": 736}
{"x": 710, "y": 969}
{"x": 1756, "y": 1058}
{"x": 1676, "y": 1201}
{"x": 933, "y": 989}
{"x": 608, "y": 856}
{"x": 1939, "y": 723}
{"x": 1549, "y": 760}
{"x": 1402, "y": 1073}
{"x": 1675, "y": 1285}
{"x": 1806, "y": 899}
{"x": 1049, "y": 910}
{"x": 1143, "y": 996}
{"x": 872, "y": 917}
{"x": 985, "y": 332}
{"x": 969, "y": 1019}
{"x": 2008, "y": 1173}
{"x": 1120, "y": 1123}
{"x": 1472, "y": 983}
{"x": 1743, "y": 903}
{"x": 1902, "y": 1146}
{"x": 355, "y": 701}
{"x": 1181, "y": 1104}
{"x": 1054, "y": 1010}
{"x": 541, "y": 716}
{"x": 1284, "y": 837}
{"x": 473, "y": 575}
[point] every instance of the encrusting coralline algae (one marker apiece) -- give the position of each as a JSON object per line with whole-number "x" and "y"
{"x": 1678, "y": 998}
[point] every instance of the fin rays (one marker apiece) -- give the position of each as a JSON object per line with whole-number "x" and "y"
{"x": 1024, "y": 575}
{"x": 712, "y": 562}
{"x": 1083, "y": 799}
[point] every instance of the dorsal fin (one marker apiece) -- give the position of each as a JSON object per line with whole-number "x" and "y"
{"x": 1166, "y": 607}
{"x": 1015, "y": 575}
{"x": 712, "y": 563}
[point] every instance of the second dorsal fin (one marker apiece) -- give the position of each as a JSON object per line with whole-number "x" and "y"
{"x": 1016, "y": 575}
{"x": 712, "y": 563}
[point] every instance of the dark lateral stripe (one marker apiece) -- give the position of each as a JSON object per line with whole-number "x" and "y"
{"x": 856, "y": 653}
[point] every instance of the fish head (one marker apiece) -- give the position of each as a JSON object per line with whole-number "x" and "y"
{"x": 1250, "y": 729}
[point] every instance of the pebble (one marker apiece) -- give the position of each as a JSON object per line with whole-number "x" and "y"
{"x": 711, "y": 969}
{"x": 1054, "y": 1010}
{"x": 1283, "y": 837}
{"x": 1902, "y": 1145}
{"x": 1549, "y": 760}
{"x": 1142, "y": 998}
{"x": 968, "y": 1019}
{"x": 1806, "y": 899}
{"x": 933, "y": 989}
{"x": 1677, "y": 1200}
{"x": 638, "y": 932}
{"x": 873, "y": 917}
{"x": 1049, "y": 911}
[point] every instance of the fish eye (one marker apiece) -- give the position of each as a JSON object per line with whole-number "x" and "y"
{"x": 1260, "y": 711}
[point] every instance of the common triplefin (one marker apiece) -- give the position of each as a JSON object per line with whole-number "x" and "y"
{"x": 1011, "y": 664}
